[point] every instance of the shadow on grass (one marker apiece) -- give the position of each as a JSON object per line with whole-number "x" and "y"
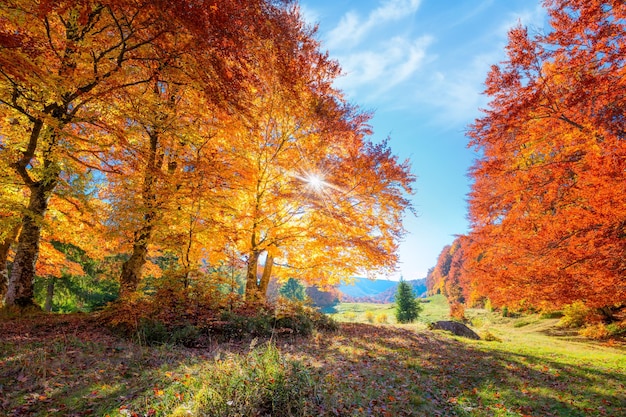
{"x": 368, "y": 370}
{"x": 69, "y": 366}
{"x": 66, "y": 366}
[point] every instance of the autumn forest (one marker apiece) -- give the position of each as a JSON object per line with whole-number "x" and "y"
{"x": 177, "y": 139}
{"x": 184, "y": 188}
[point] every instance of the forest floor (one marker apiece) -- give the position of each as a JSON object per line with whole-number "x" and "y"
{"x": 65, "y": 365}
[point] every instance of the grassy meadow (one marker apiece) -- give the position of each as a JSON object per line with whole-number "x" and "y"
{"x": 64, "y": 365}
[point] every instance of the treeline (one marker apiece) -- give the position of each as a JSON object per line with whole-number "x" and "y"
{"x": 181, "y": 138}
{"x": 547, "y": 212}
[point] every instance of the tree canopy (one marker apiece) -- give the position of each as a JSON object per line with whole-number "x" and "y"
{"x": 546, "y": 205}
{"x": 188, "y": 132}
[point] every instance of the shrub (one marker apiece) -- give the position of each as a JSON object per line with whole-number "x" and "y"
{"x": 183, "y": 315}
{"x": 350, "y": 315}
{"x": 600, "y": 331}
{"x": 381, "y": 318}
{"x": 244, "y": 321}
{"x": 575, "y": 315}
{"x": 152, "y": 332}
{"x": 596, "y": 331}
{"x": 505, "y": 311}
{"x": 457, "y": 311}
{"x": 300, "y": 318}
{"x": 369, "y": 316}
{"x": 490, "y": 337}
{"x": 617, "y": 329}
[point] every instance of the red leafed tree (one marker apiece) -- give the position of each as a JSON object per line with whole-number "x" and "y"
{"x": 436, "y": 278}
{"x": 449, "y": 276}
{"x": 546, "y": 207}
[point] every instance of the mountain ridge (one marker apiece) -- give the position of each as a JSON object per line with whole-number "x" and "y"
{"x": 365, "y": 290}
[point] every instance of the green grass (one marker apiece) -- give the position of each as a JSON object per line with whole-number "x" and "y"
{"x": 357, "y": 312}
{"x": 435, "y": 308}
{"x": 65, "y": 365}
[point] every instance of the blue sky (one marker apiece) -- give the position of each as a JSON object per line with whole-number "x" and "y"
{"x": 420, "y": 65}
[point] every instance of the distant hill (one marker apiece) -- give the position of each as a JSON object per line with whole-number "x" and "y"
{"x": 364, "y": 287}
{"x": 388, "y": 296}
{"x": 377, "y": 291}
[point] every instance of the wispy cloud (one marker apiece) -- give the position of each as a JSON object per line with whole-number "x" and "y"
{"x": 390, "y": 59}
{"x": 352, "y": 29}
{"x": 458, "y": 91}
{"x": 384, "y": 66}
{"x": 377, "y": 50}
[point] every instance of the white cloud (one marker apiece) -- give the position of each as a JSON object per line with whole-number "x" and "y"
{"x": 415, "y": 56}
{"x": 456, "y": 91}
{"x": 374, "y": 54}
{"x": 386, "y": 61}
{"x": 351, "y": 30}
{"x": 393, "y": 10}
{"x": 379, "y": 69}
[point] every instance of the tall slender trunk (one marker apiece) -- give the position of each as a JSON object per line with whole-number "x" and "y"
{"x": 256, "y": 290}
{"x": 267, "y": 274}
{"x": 252, "y": 289}
{"x": 5, "y": 246}
{"x": 131, "y": 269}
{"x": 20, "y": 291}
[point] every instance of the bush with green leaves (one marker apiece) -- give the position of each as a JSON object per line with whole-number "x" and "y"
{"x": 407, "y": 306}
{"x": 177, "y": 315}
{"x": 70, "y": 293}
{"x": 575, "y": 315}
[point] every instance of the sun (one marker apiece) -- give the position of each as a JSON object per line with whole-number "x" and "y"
{"x": 315, "y": 182}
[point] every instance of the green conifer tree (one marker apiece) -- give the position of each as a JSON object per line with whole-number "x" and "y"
{"x": 407, "y": 306}
{"x": 293, "y": 290}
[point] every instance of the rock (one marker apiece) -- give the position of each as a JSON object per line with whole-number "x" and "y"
{"x": 456, "y": 328}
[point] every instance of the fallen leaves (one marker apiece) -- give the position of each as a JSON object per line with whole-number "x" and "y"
{"x": 361, "y": 370}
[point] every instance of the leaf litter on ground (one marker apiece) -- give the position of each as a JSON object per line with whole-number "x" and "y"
{"x": 68, "y": 366}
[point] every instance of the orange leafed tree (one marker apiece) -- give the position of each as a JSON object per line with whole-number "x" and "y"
{"x": 449, "y": 276}
{"x": 185, "y": 128}
{"x": 315, "y": 199}
{"x": 56, "y": 59}
{"x": 547, "y": 213}
{"x": 64, "y": 63}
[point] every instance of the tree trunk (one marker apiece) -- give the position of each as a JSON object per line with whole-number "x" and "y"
{"x": 20, "y": 291}
{"x": 252, "y": 287}
{"x": 4, "y": 256}
{"x": 49, "y": 294}
{"x": 267, "y": 274}
{"x": 257, "y": 290}
{"x": 131, "y": 269}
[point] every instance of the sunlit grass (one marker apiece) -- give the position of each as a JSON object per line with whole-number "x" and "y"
{"x": 363, "y": 369}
